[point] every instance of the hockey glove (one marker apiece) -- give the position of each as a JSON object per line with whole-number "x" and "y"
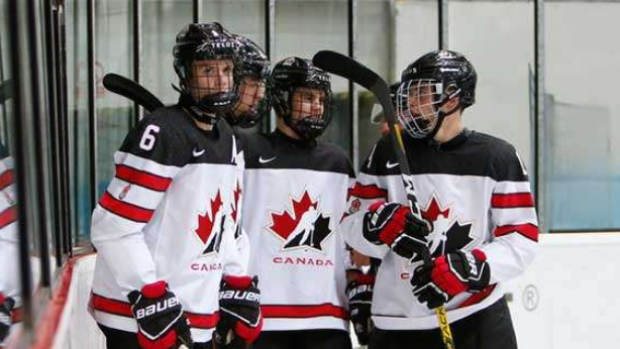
{"x": 437, "y": 282}
{"x": 240, "y": 317}
{"x": 6, "y": 307}
{"x": 359, "y": 291}
{"x": 159, "y": 313}
{"x": 393, "y": 224}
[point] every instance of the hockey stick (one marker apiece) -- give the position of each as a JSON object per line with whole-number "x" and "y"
{"x": 348, "y": 68}
{"x": 130, "y": 89}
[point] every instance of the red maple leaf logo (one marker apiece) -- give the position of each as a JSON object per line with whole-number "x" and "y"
{"x": 284, "y": 224}
{"x": 206, "y": 222}
{"x": 433, "y": 211}
{"x": 235, "y": 204}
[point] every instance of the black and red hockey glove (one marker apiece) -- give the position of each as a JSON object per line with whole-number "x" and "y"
{"x": 240, "y": 316}
{"x": 394, "y": 225}
{"x": 159, "y": 313}
{"x": 6, "y": 308}
{"x": 359, "y": 290}
{"x": 437, "y": 282}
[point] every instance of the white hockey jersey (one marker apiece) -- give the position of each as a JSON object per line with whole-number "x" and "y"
{"x": 10, "y": 284}
{"x": 295, "y": 196}
{"x": 475, "y": 191}
{"x": 168, "y": 214}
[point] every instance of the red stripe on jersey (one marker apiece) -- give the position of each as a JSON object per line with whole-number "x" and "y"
{"x": 142, "y": 178}
{"x": 8, "y": 216}
{"x": 6, "y": 179}
{"x": 116, "y": 307}
{"x": 477, "y": 297}
{"x": 202, "y": 321}
{"x": 303, "y": 311}
{"x": 370, "y": 191}
{"x": 512, "y": 200}
{"x": 110, "y": 306}
{"x": 124, "y": 209}
{"x": 17, "y": 315}
{"x": 530, "y": 231}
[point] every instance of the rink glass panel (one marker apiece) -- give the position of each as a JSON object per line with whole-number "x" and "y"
{"x": 243, "y": 17}
{"x": 113, "y": 54}
{"x": 161, "y": 22}
{"x": 582, "y": 128}
{"x": 77, "y": 98}
{"x": 26, "y": 245}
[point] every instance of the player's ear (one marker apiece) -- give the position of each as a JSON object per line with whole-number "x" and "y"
{"x": 451, "y": 104}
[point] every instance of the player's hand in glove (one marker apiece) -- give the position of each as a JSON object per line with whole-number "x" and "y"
{"x": 394, "y": 225}
{"x": 437, "y": 282}
{"x": 359, "y": 290}
{"x": 159, "y": 313}
{"x": 6, "y": 307}
{"x": 240, "y": 317}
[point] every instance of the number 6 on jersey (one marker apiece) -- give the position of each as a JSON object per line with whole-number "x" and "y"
{"x": 148, "y": 138}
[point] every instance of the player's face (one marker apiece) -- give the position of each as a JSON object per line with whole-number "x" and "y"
{"x": 307, "y": 102}
{"x": 421, "y": 104}
{"x": 211, "y": 76}
{"x": 251, "y": 93}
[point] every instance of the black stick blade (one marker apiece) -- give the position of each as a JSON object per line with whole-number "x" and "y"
{"x": 348, "y": 68}
{"x": 130, "y": 89}
{"x": 339, "y": 64}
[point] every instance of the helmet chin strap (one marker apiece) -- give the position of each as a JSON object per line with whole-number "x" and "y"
{"x": 197, "y": 112}
{"x": 307, "y": 133}
{"x": 441, "y": 116}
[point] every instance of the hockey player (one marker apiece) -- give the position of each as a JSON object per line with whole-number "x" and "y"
{"x": 252, "y": 73}
{"x": 295, "y": 195}
{"x": 164, "y": 229}
{"x": 9, "y": 249}
{"x": 473, "y": 190}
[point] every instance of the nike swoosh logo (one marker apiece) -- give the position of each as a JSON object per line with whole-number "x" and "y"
{"x": 391, "y": 165}
{"x": 264, "y": 161}
{"x": 196, "y": 153}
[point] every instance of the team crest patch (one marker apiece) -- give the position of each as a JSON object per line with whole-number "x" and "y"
{"x": 211, "y": 226}
{"x": 304, "y": 226}
{"x": 124, "y": 192}
{"x": 355, "y": 206}
{"x": 449, "y": 233}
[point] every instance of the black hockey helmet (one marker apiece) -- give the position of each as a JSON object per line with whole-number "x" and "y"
{"x": 432, "y": 80}
{"x": 205, "y": 41}
{"x": 290, "y": 74}
{"x": 253, "y": 60}
{"x": 253, "y": 68}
